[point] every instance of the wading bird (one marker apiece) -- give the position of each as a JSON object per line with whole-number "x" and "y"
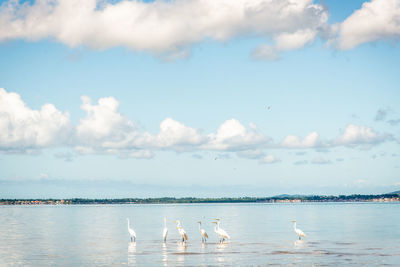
{"x": 220, "y": 232}
{"x": 165, "y": 231}
{"x": 181, "y": 231}
{"x": 203, "y": 233}
{"x": 131, "y": 232}
{"x": 298, "y": 231}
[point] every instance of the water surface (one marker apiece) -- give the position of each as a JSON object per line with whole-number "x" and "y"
{"x": 338, "y": 234}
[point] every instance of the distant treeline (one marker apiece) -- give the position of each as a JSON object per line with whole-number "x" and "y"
{"x": 171, "y": 200}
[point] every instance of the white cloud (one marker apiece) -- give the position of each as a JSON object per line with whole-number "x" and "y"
{"x": 292, "y": 141}
{"x": 358, "y": 135}
{"x": 394, "y": 122}
{"x": 232, "y": 135}
{"x": 161, "y": 26}
{"x": 43, "y": 175}
{"x": 66, "y": 156}
{"x": 197, "y": 156}
{"x": 294, "y": 40}
{"x": 300, "y": 162}
{"x": 321, "y": 161}
{"x": 167, "y": 29}
{"x": 265, "y": 52}
{"x": 361, "y": 182}
{"x": 104, "y": 128}
{"x": 285, "y": 41}
{"x": 381, "y": 114}
{"x": 175, "y": 134}
{"x": 251, "y": 154}
{"x": 375, "y": 20}
{"x": 22, "y": 128}
{"x": 269, "y": 159}
{"x": 136, "y": 154}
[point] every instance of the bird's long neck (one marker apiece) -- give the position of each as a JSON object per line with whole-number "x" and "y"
{"x": 165, "y": 223}
{"x": 199, "y": 226}
{"x": 294, "y": 225}
{"x": 128, "y": 223}
{"x": 216, "y": 228}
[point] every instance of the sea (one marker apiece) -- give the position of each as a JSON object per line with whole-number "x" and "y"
{"x": 261, "y": 234}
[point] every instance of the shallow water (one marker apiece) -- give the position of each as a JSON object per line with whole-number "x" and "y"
{"x": 338, "y": 234}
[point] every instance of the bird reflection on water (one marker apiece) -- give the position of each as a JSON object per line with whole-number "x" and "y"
{"x": 181, "y": 249}
{"x": 220, "y": 249}
{"x": 132, "y": 254}
{"x": 298, "y": 244}
{"x": 164, "y": 254}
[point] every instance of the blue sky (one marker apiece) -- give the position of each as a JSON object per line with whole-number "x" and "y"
{"x": 245, "y": 107}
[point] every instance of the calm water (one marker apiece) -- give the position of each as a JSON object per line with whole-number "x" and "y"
{"x": 340, "y": 234}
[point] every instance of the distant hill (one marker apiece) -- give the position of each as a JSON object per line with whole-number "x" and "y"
{"x": 395, "y": 192}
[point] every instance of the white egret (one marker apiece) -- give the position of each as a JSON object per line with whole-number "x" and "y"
{"x": 203, "y": 233}
{"x": 220, "y": 232}
{"x": 165, "y": 231}
{"x": 181, "y": 231}
{"x": 298, "y": 231}
{"x": 131, "y": 232}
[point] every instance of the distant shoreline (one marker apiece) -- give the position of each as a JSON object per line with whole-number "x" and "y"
{"x": 391, "y": 197}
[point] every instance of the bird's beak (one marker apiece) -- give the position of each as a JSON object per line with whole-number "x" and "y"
{"x": 214, "y": 222}
{"x": 217, "y": 219}
{"x": 293, "y": 221}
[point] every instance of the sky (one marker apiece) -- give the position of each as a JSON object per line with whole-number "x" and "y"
{"x": 198, "y": 98}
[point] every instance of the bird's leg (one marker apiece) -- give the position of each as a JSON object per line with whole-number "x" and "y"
{"x": 131, "y": 239}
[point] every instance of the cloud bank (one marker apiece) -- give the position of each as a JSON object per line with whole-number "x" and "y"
{"x": 169, "y": 28}
{"x": 374, "y": 21}
{"x": 104, "y": 130}
{"x": 22, "y": 128}
{"x": 161, "y": 26}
